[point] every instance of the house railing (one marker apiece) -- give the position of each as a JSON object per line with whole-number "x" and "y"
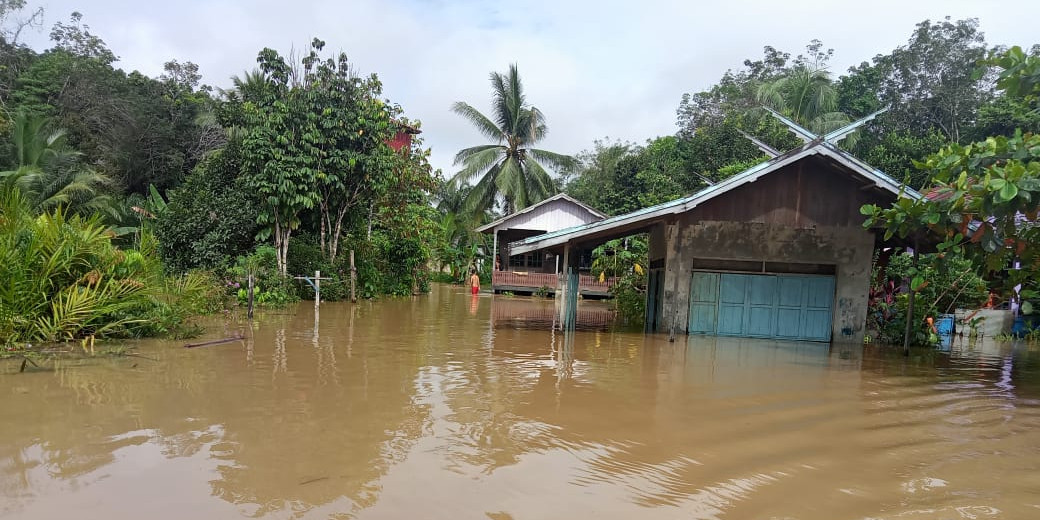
{"x": 586, "y": 283}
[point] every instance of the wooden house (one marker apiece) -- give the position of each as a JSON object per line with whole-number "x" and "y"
{"x": 535, "y": 269}
{"x": 778, "y": 251}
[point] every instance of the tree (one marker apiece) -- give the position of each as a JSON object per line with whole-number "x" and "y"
{"x": 278, "y": 151}
{"x": 510, "y": 168}
{"x": 733, "y": 94}
{"x": 985, "y": 194}
{"x": 930, "y": 82}
{"x": 12, "y": 25}
{"x": 211, "y": 217}
{"x": 314, "y": 139}
{"x": 807, "y": 95}
{"x": 48, "y": 173}
{"x": 458, "y": 244}
{"x": 595, "y": 178}
{"x": 76, "y": 39}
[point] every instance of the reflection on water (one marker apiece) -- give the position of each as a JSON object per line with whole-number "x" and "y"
{"x": 424, "y": 408}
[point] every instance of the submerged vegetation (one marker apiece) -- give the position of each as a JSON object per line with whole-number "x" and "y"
{"x": 65, "y": 279}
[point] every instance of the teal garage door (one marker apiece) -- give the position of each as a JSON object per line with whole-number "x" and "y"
{"x": 796, "y": 307}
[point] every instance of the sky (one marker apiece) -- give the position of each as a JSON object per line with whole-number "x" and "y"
{"x": 597, "y": 69}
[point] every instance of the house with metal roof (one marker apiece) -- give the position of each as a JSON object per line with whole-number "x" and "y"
{"x": 777, "y": 251}
{"x": 535, "y": 269}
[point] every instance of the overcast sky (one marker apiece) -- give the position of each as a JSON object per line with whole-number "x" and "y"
{"x": 596, "y": 69}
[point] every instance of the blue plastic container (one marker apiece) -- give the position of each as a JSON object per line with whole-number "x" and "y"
{"x": 945, "y": 324}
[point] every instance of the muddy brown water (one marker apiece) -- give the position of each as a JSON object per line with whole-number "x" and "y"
{"x": 438, "y": 407}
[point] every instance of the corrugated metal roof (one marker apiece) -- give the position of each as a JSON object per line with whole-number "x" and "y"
{"x": 817, "y": 146}
{"x": 559, "y": 196}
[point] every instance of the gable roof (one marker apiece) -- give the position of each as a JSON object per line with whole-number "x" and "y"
{"x": 560, "y": 196}
{"x": 819, "y": 146}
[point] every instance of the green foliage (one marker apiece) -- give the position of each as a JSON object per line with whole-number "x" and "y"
{"x": 210, "y": 218}
{"x": 306, "y": 257}
{"x": 457, "y": 245}
{"x": 895, "y": 152}
{"x": 270, "y": 288}
{"x": 625, "y": 259}
{"x": 510, "y": 168}
{"x": 922, "y": 86}
{"x": 733, "y": 94}
{"x": 806, "y": 94}
{"x": 134, "y": 129}
{"x": 1019, "y": 76}
{"x": 49, "y": 173}
{"x": 314, "y": 142}
{"x": 620, "y": 177}
{"x": 985, "y": 206}
{"x": 942, "y": 284}
{"x": 66, "y": 280}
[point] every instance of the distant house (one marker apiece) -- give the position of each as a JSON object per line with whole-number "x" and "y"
{"x": 777, "y": 251}
{"x": 403, "y": 137}
{"x": 535, "y": 269}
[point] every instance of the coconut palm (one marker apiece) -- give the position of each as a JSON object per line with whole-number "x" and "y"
{"x": 510, "y": 167}
{"x": 807, "y": 95}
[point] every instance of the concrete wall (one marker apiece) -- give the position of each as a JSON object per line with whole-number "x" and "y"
{"x": 849, "y": 249}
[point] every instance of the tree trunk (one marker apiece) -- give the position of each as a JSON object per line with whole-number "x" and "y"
{"x": 369, "y": 222}
{"x": 279, "y": 259}
{"x": 321, "y": 233}
{"x": 334, "y": 240}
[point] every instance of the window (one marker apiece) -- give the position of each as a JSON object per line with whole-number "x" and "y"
{"x": 534, "y": 259}
{"x": 516, "y": 261}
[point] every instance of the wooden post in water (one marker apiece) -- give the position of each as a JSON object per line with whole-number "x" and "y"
{"x": 249, "y": 292}
{"x": 353, "y": 278}
{"x": 317, "y": 290}
{"x": 570, "y": 313}
{"x": 561, "y": 282}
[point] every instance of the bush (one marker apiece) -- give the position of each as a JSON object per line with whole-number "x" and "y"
{"x": 65, "y": 279}
{"x": 270, "y": 289}
{"x": 210, "y": 218}
{"x": 943, "y": 284}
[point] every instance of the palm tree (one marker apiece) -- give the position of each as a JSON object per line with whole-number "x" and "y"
{"x": 807, "y": 95}
{"x": 509, "y": 168}
{"x": 48, "y": 173}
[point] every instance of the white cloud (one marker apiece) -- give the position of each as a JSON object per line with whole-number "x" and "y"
{"x": 595, "y": 68}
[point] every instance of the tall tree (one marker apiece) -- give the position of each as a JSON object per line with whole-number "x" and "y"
{"x": 807, "y": 95}
{"x": 278, "y": 152}
{"x": 930, "y": 81}
{"x": 510, "y": 167}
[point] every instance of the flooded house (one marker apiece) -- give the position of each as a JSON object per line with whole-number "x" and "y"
{"x": 538, "y": 269}
{"x": 777, "y": 251}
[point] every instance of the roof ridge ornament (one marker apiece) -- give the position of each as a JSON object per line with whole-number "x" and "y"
{"x": 805, "y": 135}
{"x": 843, "y": 132}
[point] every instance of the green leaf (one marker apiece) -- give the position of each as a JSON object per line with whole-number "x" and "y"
{"x": 1008, "y": 191}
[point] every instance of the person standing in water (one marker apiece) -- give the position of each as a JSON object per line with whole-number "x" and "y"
{"x": 474, "y": 282}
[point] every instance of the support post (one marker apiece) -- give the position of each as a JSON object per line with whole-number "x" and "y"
{"x": 676, "y": 272}
{"x": 317, "y": 290}
{"x": 353, "y": 278}
{"x": 495, "y": 260}
{"x": 561, "y": 286}
{"x": 570, "y": 316}
{"x": 249, "y": 292}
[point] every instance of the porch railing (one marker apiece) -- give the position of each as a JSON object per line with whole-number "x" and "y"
{"x": 587, "y": 283}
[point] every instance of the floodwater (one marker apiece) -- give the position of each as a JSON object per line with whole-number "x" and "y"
{"x": 424, "y": 408}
